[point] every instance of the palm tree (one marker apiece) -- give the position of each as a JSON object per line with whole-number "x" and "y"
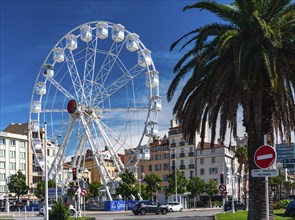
{"x": 244, "y": 63}
{"x": 242, "y": 157}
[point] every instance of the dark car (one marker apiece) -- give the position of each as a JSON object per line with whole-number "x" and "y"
{"x": 144, "y": 207}
{"x": 237, "y": 204}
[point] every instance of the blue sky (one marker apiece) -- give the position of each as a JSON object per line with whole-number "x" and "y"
{"x": 30, "y": 29}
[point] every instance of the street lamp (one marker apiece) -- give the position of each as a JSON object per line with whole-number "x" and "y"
{"x": 140, "y": 180}
{"x": 233, "y": 191}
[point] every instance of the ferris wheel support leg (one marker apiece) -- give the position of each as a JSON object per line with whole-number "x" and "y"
{"x": 60, "y": 152}
{"x": 91, "y": 143}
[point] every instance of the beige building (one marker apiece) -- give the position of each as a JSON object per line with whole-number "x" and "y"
{"x": 158, "y": 164}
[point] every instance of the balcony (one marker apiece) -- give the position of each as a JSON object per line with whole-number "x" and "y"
{"x": 182, "y": 154}
{"x": 182, "y": 167}
{"x": 173, "y": 144}
{"x": 191, "y": 154}
{"x": 191, "y": 166}
{"x": 181, "y": 143}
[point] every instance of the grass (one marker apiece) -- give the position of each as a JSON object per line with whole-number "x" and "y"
{"x": 242, "y": 215}
{"x": 82, "y": 218}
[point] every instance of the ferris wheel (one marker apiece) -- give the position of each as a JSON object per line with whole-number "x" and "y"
{"x": 97, "y": 90}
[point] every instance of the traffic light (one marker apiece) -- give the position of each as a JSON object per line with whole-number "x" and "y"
{"x": 74, "y": 170}
{"x": 221, "y": 179}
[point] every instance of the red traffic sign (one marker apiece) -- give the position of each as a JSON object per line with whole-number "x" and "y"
{"x": 84, "y": 192}
{"x": 222, "y": 188}
{"x": 223, "y": 193}
{"x": 265, "y": 156}
{"x": 74, "y": 189}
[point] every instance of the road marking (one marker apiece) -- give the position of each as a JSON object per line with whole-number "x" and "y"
{"x": 263, "y": 157}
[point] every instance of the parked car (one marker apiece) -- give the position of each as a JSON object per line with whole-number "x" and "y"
{"x": 144, "y": 207}
{"x": 71, "y": 207}
{"x": 174, "y": 207}
{"x": 93, "y": 207}
{"x": 237, "y": 204}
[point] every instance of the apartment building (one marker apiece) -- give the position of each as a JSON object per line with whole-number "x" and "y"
{"x": 183, "y": 154}
{"x": 13, "y": 154}
{"x": 158, "y": 164}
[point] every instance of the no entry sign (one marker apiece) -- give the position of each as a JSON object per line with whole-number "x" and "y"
{"x": 265, "y": 156}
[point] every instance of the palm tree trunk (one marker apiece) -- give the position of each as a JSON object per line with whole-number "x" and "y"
{"x": 257, "y": 198}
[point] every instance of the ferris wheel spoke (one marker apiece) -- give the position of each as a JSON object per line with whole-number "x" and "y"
{"x": 59, "y": 156}
{"x": 61, "y": 88}
{"x": 118, "y": 163}
{"x": 75, "y": 77}
{"x": 53, "y": 110}
{"x": 109, "y": 62}
{"x": 117, "y": 85}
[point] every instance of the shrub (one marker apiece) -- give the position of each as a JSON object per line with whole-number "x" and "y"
{"x": 59, "y": 211}
{"x": 281, "y": 204}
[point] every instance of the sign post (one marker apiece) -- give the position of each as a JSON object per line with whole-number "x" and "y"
{"x": 264, "y": 157}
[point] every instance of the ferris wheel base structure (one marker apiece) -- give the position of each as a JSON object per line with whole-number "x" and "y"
{"x": 98, "y": 90}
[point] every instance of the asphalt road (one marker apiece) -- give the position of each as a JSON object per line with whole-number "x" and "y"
{"x": 192, "y": 214}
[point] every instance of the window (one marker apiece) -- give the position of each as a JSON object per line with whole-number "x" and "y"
{"x": 181, "y": 162}
{"x": 2, "y": 165}
{"x": 150, "y": 167}
{"x": 2, "y": 188}
{"x": 213, "y": 150}
{"x": 12, "y": 166}
{"x": 158, "y": 167}
{"x": 2, "y": 176}
{"x": 2, "y": 153}
{"x": 166, "y": 166}
{"x": 191, "y": 161}
{"x": 202, "y": 171}
{"x": 2, "y": 141}
{"x": 22, "y": 166}
{"x": 12, "y": 142}
{"x": 173, "y": 163}
{"x": 191, "y": 173}
{"x": 201, "y": 160}
{"x": 22, "y": 144}
{"x": 142, "y": 168}
{"x": 22, "y": 155}
{"x": 213, "y": 160}
{"x": 191, "y": 149}
{"x": 12, "y": 154}
{"x": 213, "y": 170}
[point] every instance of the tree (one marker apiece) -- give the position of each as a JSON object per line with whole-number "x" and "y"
{"x": 242, "y": 156}
{"x": 211, "y": 188}
{"x": 196, "y": 186}
{"x": 152, "y": 183}
{"x": 17, "y": 184}
{"x": 40, "y": 191}
{"x": 276, "y": 183}
{"x": 93, "y": 188}
{"x": 243, "y": 63}
{"x": 180, "y": 180}
{"x": 127, "y": 187}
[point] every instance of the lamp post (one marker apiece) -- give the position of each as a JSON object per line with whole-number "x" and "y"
{"x": 140, "y": 180}
{"x": 46, "y": 216}
{"x": 85, "y": 176}
{"x": 233, "y": 191}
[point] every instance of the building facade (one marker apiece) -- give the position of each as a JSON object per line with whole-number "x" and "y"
{"x": 13, "y": 157}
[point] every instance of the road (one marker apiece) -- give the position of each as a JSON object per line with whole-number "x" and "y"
{"x": 192, "y": 214}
